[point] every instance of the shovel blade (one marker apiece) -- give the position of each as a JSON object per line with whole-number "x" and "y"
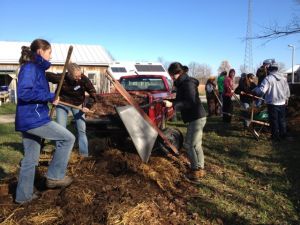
{"x": 141, "y": 132}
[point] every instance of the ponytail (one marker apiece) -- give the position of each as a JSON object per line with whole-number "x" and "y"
{"x": 27, "y": 53}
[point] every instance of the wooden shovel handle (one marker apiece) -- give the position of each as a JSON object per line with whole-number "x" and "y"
{"x": 70, "y": 105}
{"x": 73, "y": 106}
{"x": 62, "y": 78}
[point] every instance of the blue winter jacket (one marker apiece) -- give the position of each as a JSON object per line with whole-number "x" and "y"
{"x": 33, "y": 95}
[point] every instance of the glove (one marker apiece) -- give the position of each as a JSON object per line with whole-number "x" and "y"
{"x": 168, "y": 103}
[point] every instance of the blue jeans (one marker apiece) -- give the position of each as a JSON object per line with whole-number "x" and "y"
{"x": 277, "y": 121}
{"x": 32, "y": 146}
{"x": 193, "y": 143}
{"x": 245, "y": 112}
{"x": 79, "y": 116}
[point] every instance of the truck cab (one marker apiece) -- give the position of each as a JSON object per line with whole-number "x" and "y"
{"x": 157, "y": 88}
{"x": 148, "y": 81}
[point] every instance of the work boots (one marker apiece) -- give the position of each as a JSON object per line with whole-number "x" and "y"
{"x": 65, "y": 182}
{"x": 196, "y": 175}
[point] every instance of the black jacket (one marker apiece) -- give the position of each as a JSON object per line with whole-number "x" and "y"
{"x": 247, "y": 89}
{"x": 187, "y": 99}
{"x": 72, "y": 91}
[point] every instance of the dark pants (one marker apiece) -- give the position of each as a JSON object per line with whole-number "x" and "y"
{"x": 227, "y": 109}
{"x": 277, "y": 121}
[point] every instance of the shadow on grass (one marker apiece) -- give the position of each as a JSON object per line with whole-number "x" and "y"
{"x": 214, "y": 214}
{"x": 290, "y": 159}
{"x": 14, "y": 145}
{"x": 2, "y": 173}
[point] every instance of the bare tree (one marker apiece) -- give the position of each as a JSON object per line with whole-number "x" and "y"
{"x": 193, "y": 69}
{"x": 164, "y": 62}
{"x": 276, "y": 31}
{"x": 200, "y": 71}
{"x": 225, "y": 66}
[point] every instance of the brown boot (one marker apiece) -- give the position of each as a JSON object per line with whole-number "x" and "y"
{"x": 65, "y": 182}
{"x": 196, "y": 175}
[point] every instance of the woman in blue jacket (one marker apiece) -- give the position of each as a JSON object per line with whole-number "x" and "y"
{"x": 32, "y": 119}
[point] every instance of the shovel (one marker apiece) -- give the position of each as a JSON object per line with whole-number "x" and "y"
{"x": 74, "y": 106}
{"x": 143, "y": 135}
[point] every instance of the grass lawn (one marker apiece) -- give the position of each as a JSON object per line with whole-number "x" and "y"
{"x": 248, "y": 181}
{"x": 10, "y": 149}
{"x": 7, "y": 108}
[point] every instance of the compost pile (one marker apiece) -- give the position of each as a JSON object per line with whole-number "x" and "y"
{"x": 105, "y": 106}
{"x": 114, "y": 187}
{"x": 293, "y": 115}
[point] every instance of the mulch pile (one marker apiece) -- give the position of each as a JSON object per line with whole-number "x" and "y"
{"x": 114, "y": 187}
{"x": 293, "y": 114}
{"x": 106, "y": 104}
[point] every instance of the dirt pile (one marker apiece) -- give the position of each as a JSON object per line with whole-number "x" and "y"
{"x": 293, "y": 114}
{"x": 106, "y": 104}
{"x": 113, "y": 188}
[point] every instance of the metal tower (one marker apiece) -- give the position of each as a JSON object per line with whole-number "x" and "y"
{"x": 248, "y": 59}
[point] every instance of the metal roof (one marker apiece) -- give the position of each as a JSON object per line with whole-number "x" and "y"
{"x": 10, "y": 53}
{"x": 296, "y": 67}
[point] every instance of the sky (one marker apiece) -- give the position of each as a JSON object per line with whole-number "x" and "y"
{"x": 201, "y": 31}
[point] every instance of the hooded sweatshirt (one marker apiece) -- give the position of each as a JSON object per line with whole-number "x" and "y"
{"x": 275, "y": 87}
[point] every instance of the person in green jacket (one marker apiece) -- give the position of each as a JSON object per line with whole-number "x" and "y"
{"x": 220, "y": 83}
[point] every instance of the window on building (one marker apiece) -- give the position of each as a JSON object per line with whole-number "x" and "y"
{"x": 92, "y": 77}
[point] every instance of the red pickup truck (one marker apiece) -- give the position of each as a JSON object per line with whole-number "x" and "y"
{"x": 149, "y": 91}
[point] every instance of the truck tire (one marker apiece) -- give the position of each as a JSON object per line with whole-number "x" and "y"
{"x": 174, "y": 136}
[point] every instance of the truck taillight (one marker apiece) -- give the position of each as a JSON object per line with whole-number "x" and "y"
{"x": 152, "y": 113}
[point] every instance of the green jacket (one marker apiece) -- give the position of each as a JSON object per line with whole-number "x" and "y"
{"x": 220, "y": 82}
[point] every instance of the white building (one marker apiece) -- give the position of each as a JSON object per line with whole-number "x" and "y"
{"x": 93, "y": 59}
{"x": 296, "y": 74}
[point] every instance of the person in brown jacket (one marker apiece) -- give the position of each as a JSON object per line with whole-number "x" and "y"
{"x": 73, "y": 91}
{"x": 211, "y": 97}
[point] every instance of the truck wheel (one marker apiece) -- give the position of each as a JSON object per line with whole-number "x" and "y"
{"x": 174, "y": 136}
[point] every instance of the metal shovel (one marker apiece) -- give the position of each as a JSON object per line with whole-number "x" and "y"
{"x": 141, "y": 132}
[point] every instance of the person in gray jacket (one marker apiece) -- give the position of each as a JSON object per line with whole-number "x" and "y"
{"x": 276, "y": 90}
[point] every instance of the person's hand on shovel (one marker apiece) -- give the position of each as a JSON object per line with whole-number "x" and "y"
{"x": 168, "y": 103}
{"x": 87, "y": 110}
{"x": 56, "y": 101}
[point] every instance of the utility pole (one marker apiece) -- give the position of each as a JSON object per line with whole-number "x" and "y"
{"x": 248, "y": 59}
{"x": 293, "y": 56}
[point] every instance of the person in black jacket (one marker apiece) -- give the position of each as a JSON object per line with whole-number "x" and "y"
{"x": 246, "y": 85}
{"x": 73, "y": 92}
{"x": 193, "y": 113}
